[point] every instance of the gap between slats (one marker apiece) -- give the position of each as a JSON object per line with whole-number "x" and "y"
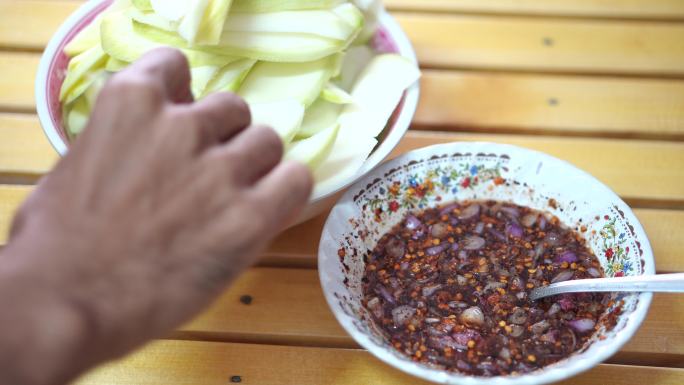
{"x": 188, "y": 362}
{"x": 459, "y": 41}
{"x": 487, "y": 102}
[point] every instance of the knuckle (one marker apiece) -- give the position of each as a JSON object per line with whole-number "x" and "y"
{"x": 172, "y": 55}
{"x": 271, "y": 140}
{"x": 239, "y": 107}
{"x": 159, "y": 58}
{"x": 124, "y": 86}
{"x": 301, "y": 177}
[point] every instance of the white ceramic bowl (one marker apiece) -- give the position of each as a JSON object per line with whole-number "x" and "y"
{"x": 459, "y": 171}
{"x": 52, "y": 69}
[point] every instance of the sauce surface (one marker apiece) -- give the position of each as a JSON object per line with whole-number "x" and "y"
{"x": 449, "y": 286}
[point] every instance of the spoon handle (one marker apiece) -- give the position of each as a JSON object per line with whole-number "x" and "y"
{"x": 667, "y": 283}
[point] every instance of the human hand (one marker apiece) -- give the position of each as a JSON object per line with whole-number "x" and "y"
{"x": 156, "y": 207}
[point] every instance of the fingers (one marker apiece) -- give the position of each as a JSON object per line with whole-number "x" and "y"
{"x": 250, "y": 155}
{"x": 282, "y": 194}
{"x": 221, "y": 116}
{"x": 165, "y": 69}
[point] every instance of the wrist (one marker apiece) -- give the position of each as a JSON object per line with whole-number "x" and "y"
{"x": 44, "y": 336}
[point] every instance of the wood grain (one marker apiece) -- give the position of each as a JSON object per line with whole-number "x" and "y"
{"x": 205, "y": 363}
{"x": 463, "y": 41}
{"x": 17, "y": 76}
{"x": 531, "y": 44}
{"x": 642, "y": 172}
{"x": 29, "y": 24}
{"x": 490, "y": 102}
{"x": 551, "y": 104}
{"x": 635, "y": 169}
{"x": 638, "y": 9}
{"x": 288, "y": 308}
{"x": 298, "y": 246}
{"x": 24, "y": 149}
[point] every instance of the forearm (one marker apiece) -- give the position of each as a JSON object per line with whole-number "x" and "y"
{"x": 42, "y": 336}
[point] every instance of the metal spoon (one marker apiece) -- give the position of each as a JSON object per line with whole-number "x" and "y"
{"x": 667, "y": 283}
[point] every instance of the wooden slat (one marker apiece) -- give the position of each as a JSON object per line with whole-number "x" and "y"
{"x": 564, "y": 105}
{"x": 531, "y": 44}
{"x": 10, "y": 199}
{"x": 29, "y": 24}
{"x": 288, "y": 308}
{"x": 299, "y": 246}
{"x": 520, "y": 43}
{"x": 480, "y": 101}
{"x": 638, "y": 9}
{"x": 205, "y": 363}
{"x": 23, "y": 148}
{"x": 644, "y": 172}
{"x": 17, "y": 74}
{"x": 477, "y": 101}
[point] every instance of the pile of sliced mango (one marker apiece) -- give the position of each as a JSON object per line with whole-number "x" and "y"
{"x": 304, "y": 67}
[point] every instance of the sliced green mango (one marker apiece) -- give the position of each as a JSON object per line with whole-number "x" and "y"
{"x": 152, "y": 19}
{"x": 314, "y": 150}
{"x": 200, "y": 78}
{"x": 76, "y": 116}
{"x": 278, "y": 47}
{"x": 303, "y": 82}
{"x": 122, "y": 41}
{"x": 143, "y": 5}
{"x": 213, "y": 21}
{"x": 266, "y": 46}
{"x": 319, "y": 116}
{"x": 86, "y": 39}
{"x": 90, "y": 35}
{"x": 255, "y": 6}
{"x": 355, "y": 60}
{"x": 285, "y": 117}
{"x": 93, "y": 91}
{"x": 377, "y": 93}
{"x": 83, "y": 85}
{"x": 172, "y": 10}
{"x": 324, "y": 23}
{"x": 86, "y": 63}
{"x": 371, "y": 10}
{"x": 230, "y": 77}
{"x": 190, "y": 25}
{"x": 335, "y": 94}
{"x": 346, "y": 158}
{"x": 115, "y": 65}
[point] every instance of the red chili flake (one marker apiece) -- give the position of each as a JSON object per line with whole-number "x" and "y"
{"x": 389, "y": 286}
{"x": 341, "y": 252}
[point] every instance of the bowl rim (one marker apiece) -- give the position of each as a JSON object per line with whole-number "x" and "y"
{"x": 406, "y": 108}
{"x": 542, "y": 376}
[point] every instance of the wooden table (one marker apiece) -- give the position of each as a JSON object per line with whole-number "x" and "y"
{"x": 597, "y": 83}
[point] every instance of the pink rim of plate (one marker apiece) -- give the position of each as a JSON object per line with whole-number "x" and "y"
{"x": 389, "y": 38}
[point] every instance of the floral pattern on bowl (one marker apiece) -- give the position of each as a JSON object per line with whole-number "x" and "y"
{"x": 466, "y": 171}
